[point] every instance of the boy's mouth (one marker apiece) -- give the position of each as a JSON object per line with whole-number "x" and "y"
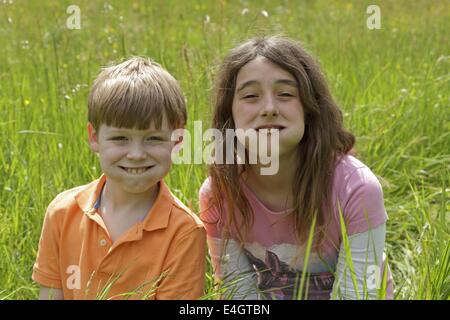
{"x": 136, "y": 170}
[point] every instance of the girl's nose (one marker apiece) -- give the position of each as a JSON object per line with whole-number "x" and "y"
{"x": 270, "y": 108}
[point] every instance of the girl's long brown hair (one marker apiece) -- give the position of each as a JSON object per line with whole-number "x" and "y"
{"x": 323, "y": 142}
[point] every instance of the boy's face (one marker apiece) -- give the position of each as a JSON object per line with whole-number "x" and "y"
{"x": 133, "y": 160}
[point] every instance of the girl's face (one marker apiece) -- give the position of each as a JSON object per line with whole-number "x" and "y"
{"x": 267, "y": 96}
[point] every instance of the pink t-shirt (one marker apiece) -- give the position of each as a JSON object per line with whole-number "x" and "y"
{"x": 271, "y": 243}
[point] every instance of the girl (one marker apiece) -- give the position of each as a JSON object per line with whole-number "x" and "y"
{"x": 258, "y": 225}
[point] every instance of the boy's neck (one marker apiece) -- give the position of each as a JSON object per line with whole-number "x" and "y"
{"x": 116, "y": 200}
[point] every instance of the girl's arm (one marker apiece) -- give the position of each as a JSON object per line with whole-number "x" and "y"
{"x": 231, "y": 267}
{"x": 233, "y": 270}
{"x": 366, "y": 250}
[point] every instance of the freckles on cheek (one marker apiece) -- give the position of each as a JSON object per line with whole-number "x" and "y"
{"x": 243, "y": 116}
{"x": 108, "y": 153}
{"x": 163, "y": 154}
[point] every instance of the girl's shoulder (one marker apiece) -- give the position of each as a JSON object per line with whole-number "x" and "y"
{"x": 353, "y": 179}
{"x": 349, "y": 169}
{"x": 205, "y": 189}
{"x": 348, "y": 163}
{"x": 360, "y": 194}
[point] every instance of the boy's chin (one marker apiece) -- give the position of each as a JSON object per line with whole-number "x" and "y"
{"x": 134, "y": 185}
{"x": 139, "y": 189}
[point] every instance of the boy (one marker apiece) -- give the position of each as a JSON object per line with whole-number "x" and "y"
{"x": 125, "y": 235}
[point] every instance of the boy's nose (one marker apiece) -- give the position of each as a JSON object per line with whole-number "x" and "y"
{"x": 136, "y": 152}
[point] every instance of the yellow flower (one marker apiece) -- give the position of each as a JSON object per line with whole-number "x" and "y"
{"x": 27, "y": 102}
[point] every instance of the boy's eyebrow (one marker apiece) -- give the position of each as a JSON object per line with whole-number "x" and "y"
{"x": 117, "y": 131}
{"x": 282, "y": 81}
{"x": 124, "y": 131}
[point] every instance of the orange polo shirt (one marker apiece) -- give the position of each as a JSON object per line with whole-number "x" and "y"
{"x": 162, "y": 257}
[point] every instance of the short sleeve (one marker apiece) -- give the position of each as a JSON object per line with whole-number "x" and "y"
{"x": 185, "y": 266}
{"x": 363, "y": 205}
{"x": 46, "y": 268}
{"x": 209, "y": 214}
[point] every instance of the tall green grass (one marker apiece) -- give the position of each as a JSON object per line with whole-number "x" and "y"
{"x": 392, "y": 85}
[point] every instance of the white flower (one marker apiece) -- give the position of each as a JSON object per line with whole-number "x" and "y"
{"x": 207, "y": 19}
{"x": 265, "y": 13}
{"x": 442, "y": 59}
{"x": 107, "y": 7}
{"x": 244, "y": 11}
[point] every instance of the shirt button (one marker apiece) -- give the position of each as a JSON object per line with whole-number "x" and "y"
{"x": 103, "y": 242}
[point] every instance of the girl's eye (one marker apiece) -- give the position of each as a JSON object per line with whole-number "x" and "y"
{"x": 286, "y": 94}
{"x": 250, "y": 96}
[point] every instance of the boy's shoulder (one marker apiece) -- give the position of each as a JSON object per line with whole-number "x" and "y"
{"x": 67, "y": 200}
{"x": 182, "y": 213}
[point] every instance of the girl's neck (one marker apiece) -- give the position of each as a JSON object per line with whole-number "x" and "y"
{"x": 280, "y": 184}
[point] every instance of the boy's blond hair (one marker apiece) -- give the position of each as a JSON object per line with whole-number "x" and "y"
{"x": 135, "y": 94}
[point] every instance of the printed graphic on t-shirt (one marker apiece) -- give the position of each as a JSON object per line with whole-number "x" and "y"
{"x": 276, "y": 280}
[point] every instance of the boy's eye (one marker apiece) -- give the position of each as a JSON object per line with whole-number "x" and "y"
{"x": 155, "y": 138}
{"x": 119, "y": 138}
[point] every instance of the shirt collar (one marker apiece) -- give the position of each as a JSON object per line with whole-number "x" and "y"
{"x": 88, "y": 196}
{"x": 157, "y": 217}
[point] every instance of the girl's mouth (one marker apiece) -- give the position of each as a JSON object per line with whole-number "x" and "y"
{"x": 136, "y": 170}
{"x": 269, "y": 128}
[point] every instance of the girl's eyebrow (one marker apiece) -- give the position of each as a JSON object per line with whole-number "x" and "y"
{"x": 288, "y": 82}
{"x": 282, "y": 81}
{"x": 246, "y": 84}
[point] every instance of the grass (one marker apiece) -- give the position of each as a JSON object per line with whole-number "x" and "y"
{"x": 392, "y": 85}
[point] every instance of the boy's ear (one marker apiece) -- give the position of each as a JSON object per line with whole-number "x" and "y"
{"x": 179, "y": 134}
{"x": 93, "y": 137}
{"x": 179, "y": 141}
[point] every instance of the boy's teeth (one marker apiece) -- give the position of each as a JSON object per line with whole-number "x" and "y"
{"x": 135, "y": 170}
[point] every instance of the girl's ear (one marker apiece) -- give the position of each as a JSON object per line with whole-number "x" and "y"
{"x": 93, "y": 137}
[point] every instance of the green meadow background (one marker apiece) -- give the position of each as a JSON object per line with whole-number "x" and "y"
{"x": 392, "y": 85}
